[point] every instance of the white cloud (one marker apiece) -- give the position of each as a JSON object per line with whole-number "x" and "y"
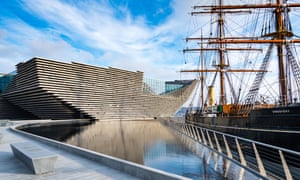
{"x": 21, "y": 42}
{"x": 118, "y": 39}
{"x": 125, "y": 39}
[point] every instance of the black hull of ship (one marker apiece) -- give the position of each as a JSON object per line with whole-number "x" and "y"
{"x": 278, "y": 126}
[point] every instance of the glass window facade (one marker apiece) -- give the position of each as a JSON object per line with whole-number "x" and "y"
{"x": 5, "y": 80}
{"x": 159, "y": 87}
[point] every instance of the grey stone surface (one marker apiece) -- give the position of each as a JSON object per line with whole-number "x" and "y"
{"x": 36, "y": 158}
{"x": 1, "y": 135}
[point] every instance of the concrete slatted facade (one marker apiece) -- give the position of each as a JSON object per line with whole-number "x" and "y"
{"x": 56, "y": 90}
{"x": 9, "y": 111}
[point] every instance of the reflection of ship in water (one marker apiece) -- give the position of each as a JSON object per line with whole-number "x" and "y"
{"x": 247, "y": 46}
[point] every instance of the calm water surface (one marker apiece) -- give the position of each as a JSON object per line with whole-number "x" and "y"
{"x": 145, "y": 142}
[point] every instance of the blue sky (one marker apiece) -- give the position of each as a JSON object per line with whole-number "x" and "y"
{"x": 144, "y": 35}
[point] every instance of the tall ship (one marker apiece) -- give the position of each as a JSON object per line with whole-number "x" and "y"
{"x": 247, "y": 69}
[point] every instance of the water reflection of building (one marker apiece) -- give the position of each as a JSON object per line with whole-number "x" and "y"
{"x": 123, "y": 139}
{"x": 57, "y": 90}
{"x": 164, "y": 148}
{"x": 156, "y": 151}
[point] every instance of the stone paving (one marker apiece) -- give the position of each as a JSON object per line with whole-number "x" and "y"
{"x": 68, "y": 166}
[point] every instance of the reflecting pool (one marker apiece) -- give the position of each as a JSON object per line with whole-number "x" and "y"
{"x": 145, "y": 142}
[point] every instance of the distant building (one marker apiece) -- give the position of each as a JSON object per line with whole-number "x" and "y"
{"x": 174, "y": 85}
{"x": 5, "y": 80}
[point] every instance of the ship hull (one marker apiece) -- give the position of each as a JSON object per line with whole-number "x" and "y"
{"x": 278, "y": 126}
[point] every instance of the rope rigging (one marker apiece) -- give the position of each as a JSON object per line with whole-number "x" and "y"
{"x": 258, "y": 28}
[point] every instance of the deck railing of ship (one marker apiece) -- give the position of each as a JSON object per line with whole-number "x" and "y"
{"x": 264, "y": 160}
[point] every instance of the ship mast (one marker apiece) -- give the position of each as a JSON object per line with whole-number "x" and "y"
{"x": 281, "y": 34}
{"x": 222, "y": 64}
{"x": 280, "y": 38}
{"x": 202, "y": 75}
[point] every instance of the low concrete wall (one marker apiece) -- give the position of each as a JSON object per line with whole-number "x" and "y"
{"x": 131, "y": 168}
{"x": 49, "y": 122}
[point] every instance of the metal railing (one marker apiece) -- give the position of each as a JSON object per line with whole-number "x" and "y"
{"x": 269, "y": 162}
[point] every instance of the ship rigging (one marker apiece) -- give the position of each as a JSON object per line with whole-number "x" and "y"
{"x": 276, "y": 37}
{"x": 248, "y": 56}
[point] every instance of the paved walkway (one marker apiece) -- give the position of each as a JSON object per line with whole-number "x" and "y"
{"x": 67, "y": 166}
